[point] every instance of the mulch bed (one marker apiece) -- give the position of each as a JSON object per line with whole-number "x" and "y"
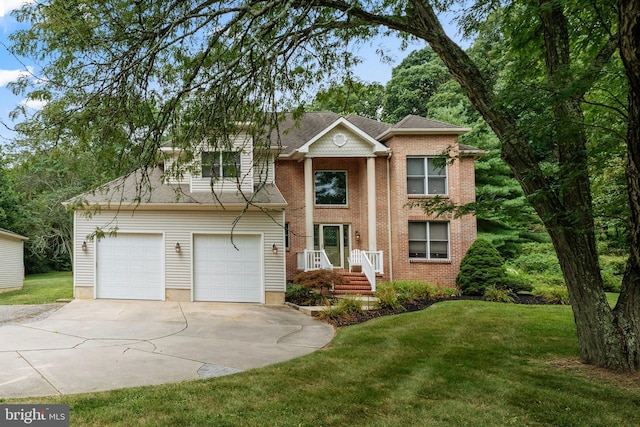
{"x": 416, "y": 306}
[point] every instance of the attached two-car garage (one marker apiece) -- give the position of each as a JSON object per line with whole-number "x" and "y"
{"x": 132, "y": 266}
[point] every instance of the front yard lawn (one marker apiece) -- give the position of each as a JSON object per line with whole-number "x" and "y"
{"x": 456, "y": 363}
{"x": 41, "y": 289}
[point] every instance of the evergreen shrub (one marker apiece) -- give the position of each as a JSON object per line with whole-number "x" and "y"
{"x": 481, "y": 267}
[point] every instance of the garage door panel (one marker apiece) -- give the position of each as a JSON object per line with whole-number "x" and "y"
{"x": 224, "y": 272}
{"x": 130, "y": 266}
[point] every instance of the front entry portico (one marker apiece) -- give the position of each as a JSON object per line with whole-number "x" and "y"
{"x": 334, "y": 239}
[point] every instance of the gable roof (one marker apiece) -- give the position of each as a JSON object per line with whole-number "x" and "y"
{"x": 296, "y": 133}
{"x": 377, "y": 146}
{"x": 149, "y": 189}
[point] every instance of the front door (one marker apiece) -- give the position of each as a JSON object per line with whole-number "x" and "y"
{"x": 333, "y": 238}
{"x": 331, "y": 243}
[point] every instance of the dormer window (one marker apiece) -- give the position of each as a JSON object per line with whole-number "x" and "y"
{"x": 221, "y": 164}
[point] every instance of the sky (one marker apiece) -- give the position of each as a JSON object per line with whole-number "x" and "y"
{"x": 371, "y": 70}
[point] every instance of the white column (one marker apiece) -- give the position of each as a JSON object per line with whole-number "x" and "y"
{"x": 371, "y": 202}
{"x": 308, "y": 201}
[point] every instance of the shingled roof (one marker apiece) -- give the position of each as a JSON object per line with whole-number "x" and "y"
{"x": 147, "y": 189}
{"x": 294, "y": 133}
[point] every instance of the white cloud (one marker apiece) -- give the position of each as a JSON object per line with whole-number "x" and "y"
{"x": 7, "y": 76}
{"x": 6, "y": 6}
{"x": 33, "y": 104}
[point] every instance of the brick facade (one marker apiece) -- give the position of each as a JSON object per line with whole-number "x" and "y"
{"x": 392, "y": 214}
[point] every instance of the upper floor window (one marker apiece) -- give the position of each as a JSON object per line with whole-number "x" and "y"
{"x": 429, "y": 239}
{"x": 331, "y": 187}
{"x": 426, "y": 175}
{"x": 221, "y": 164}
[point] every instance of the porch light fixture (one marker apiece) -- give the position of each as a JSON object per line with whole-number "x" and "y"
{"x": 84, "y": 246}
{"x": 177, "y": 247}
{"x": 358, "y": 236}
{"x": 274, "y": 249}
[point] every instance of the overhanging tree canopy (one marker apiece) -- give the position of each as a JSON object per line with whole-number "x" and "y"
{"x": 125, "y": 76}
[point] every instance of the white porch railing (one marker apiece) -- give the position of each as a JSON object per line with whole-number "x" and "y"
{"x": 313, "y": 260}
{"x": 376, "y": 260}
{"x": 374, "y": 257}
{"x": 368, "y": 270}
{"x": 371, "y": 263}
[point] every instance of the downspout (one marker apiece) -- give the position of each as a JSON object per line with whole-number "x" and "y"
{"x": 389, "y": 216}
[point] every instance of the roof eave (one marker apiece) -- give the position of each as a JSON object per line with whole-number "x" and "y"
{"x": 476, "y": 154}
{"x": 421, "y": 131}
{"x": 12, "y": 235}
{"x": 180, "y": 206}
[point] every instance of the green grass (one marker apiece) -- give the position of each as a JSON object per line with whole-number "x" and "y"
{"x": 458, "y": 363}
{"x": 41, "y": 289}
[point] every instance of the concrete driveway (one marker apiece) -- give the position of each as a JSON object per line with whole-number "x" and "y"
{"x": 93, "y": 345}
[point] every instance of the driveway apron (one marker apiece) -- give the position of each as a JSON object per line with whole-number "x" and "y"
{"x": 95, "y": 345}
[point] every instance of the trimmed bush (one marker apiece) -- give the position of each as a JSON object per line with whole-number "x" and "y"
{"x": 319, "y": 279}
{"x": 481, "y": 267}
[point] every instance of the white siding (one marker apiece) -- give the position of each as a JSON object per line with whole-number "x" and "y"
{"x": 255, "y": 165}
{"x": 355, "y": 146}
{"x": 264, "y": 170}
{"x": 178, "y": 226}
{"x": 244, "y": 144}
{"x": 182, "y": 172}
{"x": 11, "y": 262}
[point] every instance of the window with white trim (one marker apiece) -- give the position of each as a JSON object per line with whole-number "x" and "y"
{"x": 221, "y": 164}
{"x": 428, "y": 240}
{"x": 426, "y": 175}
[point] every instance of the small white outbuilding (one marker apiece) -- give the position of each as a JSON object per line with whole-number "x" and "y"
{"x": 11, "y": 260}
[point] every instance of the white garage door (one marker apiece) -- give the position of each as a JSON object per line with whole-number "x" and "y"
{"x": 222, "y": 272}
{"x": 130, "y": 266}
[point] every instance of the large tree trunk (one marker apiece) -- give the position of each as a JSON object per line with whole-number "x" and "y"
{"x": 627, "y": 310}
{"x": 567, "y": 211}
{"x": 600, "y": 341}
{"x": 606, "y": 337}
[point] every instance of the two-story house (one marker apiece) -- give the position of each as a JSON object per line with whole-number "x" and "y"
{"x": 332, "y": 192}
